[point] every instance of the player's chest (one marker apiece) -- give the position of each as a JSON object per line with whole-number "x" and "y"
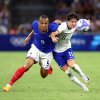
{"x": 64, "y": 36}
{"x": 41, "y": 34}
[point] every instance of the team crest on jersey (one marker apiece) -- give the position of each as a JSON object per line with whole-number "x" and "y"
{"x": 42, "y": 41}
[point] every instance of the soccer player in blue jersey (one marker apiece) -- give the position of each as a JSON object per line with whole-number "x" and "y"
{"x": 40, "y": 51}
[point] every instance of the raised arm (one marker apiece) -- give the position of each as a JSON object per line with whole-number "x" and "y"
{"x": 28, "y": 38}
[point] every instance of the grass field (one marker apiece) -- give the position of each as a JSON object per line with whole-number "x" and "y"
{"x": 56, "y": 86}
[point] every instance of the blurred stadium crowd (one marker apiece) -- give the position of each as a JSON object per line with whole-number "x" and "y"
{"x": 16, "y": 16}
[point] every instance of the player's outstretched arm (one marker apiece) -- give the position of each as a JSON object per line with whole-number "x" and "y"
{"x": 54, "y": 37}
{"x": 28, "y": 38}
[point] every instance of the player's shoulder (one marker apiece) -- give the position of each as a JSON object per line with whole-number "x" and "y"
{"x": 53, "y": 26}
{"x": 34, "y": 24}
{"x": 63, "y": 25}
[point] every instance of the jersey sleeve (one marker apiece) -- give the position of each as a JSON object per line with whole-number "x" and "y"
{"x": 54, "y": 26}
{"x": 34, "y": 23}
{"x": 61, "y": 28}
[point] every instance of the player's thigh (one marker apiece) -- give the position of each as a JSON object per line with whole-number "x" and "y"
{"x": 33, "y": 53}
{"x": 59, "y": 58}
{"x": 69, "y": 57}
{"x": 46, "y": 60}
{"x": 70, "y": 62}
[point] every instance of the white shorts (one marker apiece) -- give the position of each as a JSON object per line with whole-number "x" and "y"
{"x": 44, "y": 59}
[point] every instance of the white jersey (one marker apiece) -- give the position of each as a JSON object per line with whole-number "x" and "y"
{"x": 64, "y": 36}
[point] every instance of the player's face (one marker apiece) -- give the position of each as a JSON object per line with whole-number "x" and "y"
{"x": 43, "y": 24}
{"x": 72, "y": 23}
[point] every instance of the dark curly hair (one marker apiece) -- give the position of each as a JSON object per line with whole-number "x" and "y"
{"x": 72, "y": 15}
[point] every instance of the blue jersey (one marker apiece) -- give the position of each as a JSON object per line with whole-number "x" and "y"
{"x": 42, "y": 40}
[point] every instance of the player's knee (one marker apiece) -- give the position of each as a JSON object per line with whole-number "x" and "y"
{"x": 43, "y": 76}
{"x": 29, "y": 63}
{"x": 70, "y": 63}
{"x": 64, "y": 68}
{"x": 28, "y": 66}
{"x": 43, "y": 73}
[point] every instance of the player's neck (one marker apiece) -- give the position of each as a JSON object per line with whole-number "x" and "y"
{"x": 43, "y": 31}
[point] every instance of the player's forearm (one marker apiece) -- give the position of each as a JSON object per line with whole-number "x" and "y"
{"x": 53, "y": 34}
{"x": 30, "y": 35}
{"x": 54, "y": 37}
{"x": 28, "y": 38}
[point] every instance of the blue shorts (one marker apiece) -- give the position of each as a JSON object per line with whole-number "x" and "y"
{"x": 63, "y": 57}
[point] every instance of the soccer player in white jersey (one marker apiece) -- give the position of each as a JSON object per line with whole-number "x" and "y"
{"x": 63, "y": 53}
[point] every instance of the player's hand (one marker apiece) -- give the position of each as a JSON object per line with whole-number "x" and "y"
{"x": 55, "y": 39}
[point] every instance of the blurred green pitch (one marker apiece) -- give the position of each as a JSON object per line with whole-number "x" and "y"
{"x": 56, "y": 86}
